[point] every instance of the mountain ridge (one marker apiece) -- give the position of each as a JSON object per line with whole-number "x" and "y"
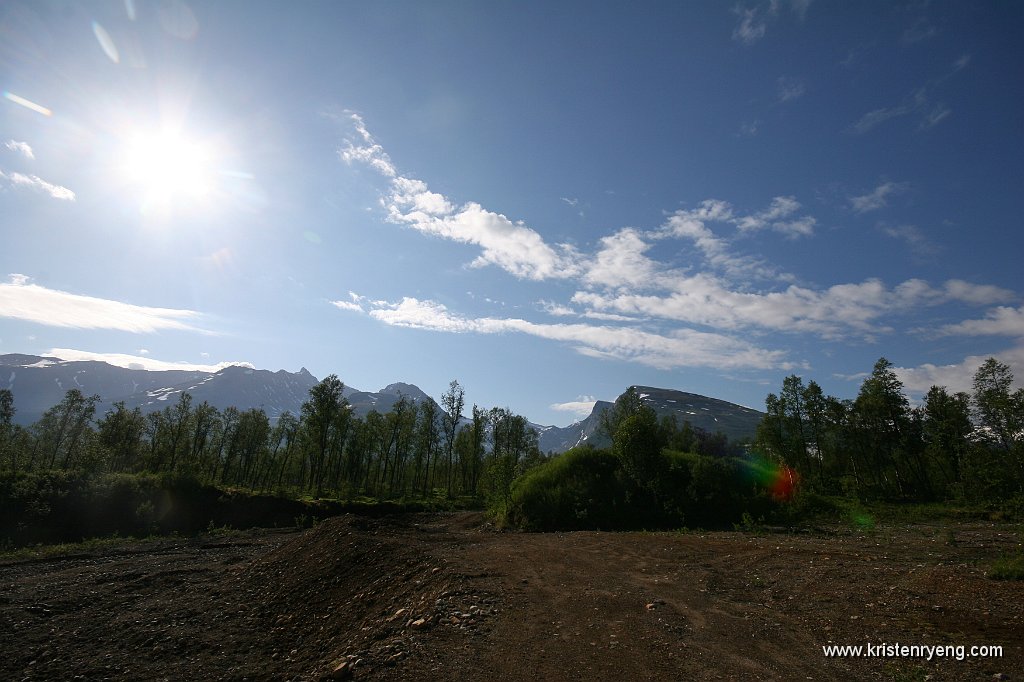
{"x": 40, "y": 382}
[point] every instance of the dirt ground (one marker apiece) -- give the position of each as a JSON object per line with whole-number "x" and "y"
{"x": 445, "y": 597}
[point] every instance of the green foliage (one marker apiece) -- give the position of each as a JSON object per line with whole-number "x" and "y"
{"x": 582, "y": 488}
{"x": 637, "y": 443}
{"x": 589, "y": 488}
{"x": 953, "y": 448}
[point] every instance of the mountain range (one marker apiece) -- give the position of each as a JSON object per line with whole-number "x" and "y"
{"x": 38, "y": 383}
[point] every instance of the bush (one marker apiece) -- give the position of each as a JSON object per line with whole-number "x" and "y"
{"x": 586, "y": 488}
{"x": 582, "y": 488}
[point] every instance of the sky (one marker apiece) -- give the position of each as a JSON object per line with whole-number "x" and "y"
{"x": 548, "y": 202}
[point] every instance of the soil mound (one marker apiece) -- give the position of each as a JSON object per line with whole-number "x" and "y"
{"x": 351, "y": 590}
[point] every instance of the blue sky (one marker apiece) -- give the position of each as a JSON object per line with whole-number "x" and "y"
{"x": 546, "y": 201}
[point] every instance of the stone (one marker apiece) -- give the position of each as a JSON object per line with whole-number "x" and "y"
{"x": 342, "y": 672}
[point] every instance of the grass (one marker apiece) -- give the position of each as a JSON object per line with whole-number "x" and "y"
{"x": 62, "y": 549}
{"x": 1008, "y": 568}
{"x": 92, "y": 545}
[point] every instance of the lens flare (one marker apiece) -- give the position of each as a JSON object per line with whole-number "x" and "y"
{"x": 778, "y": 479}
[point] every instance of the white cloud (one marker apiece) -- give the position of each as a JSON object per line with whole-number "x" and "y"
{"x": 22, "y": 148}
{"x": 511, "y": 245}
{"x": 691, "y": 224}
{"x": 831, "y": 313}
{"x": 877, "y": 198}
{"x": 37, "y": 183}
{"x": 621, "y": 262}
{"x": 976, "y": 294}
{"x": 347, "y": 305}
{"x": 1001, "y": 321}
{"x": 958, "y": 376}
{"x": 581, "y": 407}
{"x": 556, "y": 309}
{"x": 33, "y": 303}
{"x": 677, "y": 348}
{"x": 139, "y": 361}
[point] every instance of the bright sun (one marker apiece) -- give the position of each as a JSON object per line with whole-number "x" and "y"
{"x": 169, "y": 169}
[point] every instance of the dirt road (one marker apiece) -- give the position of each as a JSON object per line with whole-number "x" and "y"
{"x": 445, "y": 597}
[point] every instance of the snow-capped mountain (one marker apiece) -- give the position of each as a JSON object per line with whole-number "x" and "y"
{"x": 38, "y": 383}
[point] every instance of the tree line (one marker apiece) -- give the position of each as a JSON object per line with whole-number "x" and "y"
{"x": 953, "y": 446}
{"x": 417, "y": 450}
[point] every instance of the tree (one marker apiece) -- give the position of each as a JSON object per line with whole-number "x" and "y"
{"x": 318, "y": 417}
{"x": 63, "y": 428}
{"x": 120, "y": 431}
{"x": 425, "y": 447}
{"x": 637, "y": 443}
{"x": 6, "y": 417}
{"x": 626, "y": 405}
{"x": 946, "y": 429}
{"x": 452, "y": 402}
{"x": 1000, "y": 415}
{"x": 883, "y": 419}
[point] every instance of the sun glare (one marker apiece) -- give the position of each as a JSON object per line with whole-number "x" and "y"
{"x": 169, "y": 169}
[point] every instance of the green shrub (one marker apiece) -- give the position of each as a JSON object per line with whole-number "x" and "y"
{"x": 582, "y": 488}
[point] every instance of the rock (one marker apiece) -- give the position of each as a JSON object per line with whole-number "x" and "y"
{"x": 420, "y": 624}
{"x": 342, "y": 672}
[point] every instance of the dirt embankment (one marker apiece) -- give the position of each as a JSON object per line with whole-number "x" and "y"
{"x": 444, "y": 597}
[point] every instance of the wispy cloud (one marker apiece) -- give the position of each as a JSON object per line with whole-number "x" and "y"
{"x": 347, "y": 305}
{"x": 754, "y": 19}
{"x": 921, "y": 30}
{"x": 832, "y": 313}
{"x": 22, "y": 148}
{"x": 878, "y": 197}
{"x": 773, "y": 218}
{"x": 673, "y": 349}
{"x": 581, "y": 407}
{"x": 914, "y": 237}
{"x": 935, "y": 116}
{"x": 140, "y": 361}
{"x": 511, "y": 245}
{"x": 749, "y": 129}
{"x": 789, "y": 88}
{"x": 918, "y": 101}
{"x": 33, "y": 303}
{"x": 37, "y": 183}
{"x": 753, "y": 22}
